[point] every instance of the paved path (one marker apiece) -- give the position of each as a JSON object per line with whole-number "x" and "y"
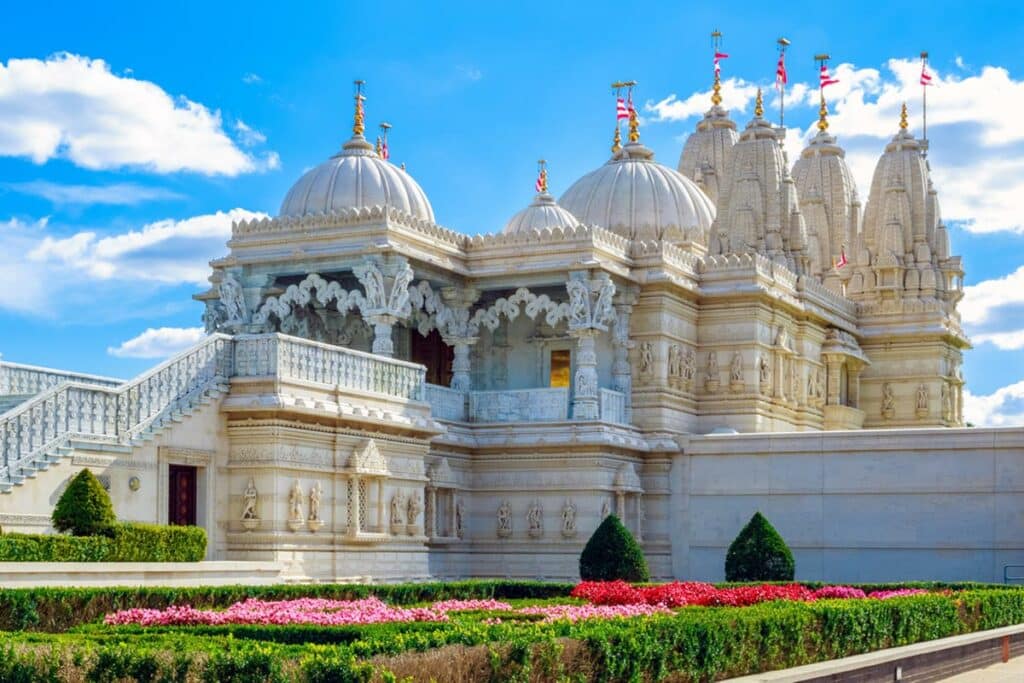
{"x": 1011, "y": 672}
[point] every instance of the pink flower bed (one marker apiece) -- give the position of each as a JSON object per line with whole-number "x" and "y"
{"x": 678, "y": 594}
{"x": 316, "y": 611}
{"x": 578, "y": 612}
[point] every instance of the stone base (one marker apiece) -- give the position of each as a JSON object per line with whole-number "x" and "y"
{"x": 35, "y": 574}
{"x": 843, "y": 417}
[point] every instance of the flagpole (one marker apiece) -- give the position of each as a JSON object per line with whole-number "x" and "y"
{"x": 924, "y": 105}
{"x": 783, "y": 43}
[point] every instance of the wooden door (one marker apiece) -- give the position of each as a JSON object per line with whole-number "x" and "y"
{"x": 182, "y": 495}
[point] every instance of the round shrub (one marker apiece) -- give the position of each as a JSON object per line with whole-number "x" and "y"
{"x": 84, "y": 508}
{"x": 759, "y": 554}
{"x": 612, "y": 553}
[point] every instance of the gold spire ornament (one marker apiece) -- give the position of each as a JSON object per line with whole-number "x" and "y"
{"x": 716, "y": 88}
{"x": 617, "y": 140}
{"x": 823, "y": 115}
{"x": 903, "y": 117}
{"x": 358, "y": 127}
{"x": 377, "y": 148}
{"x": 634, "y": 124}
{"x": 759, "y": 105}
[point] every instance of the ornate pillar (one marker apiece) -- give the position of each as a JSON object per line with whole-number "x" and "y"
{"x": 458, "y": 332}
{"x": 380, "y": 504}
{"x": 590, "y": 312}
{"x": 620, "y": 505}
{"x": 853, "y": 368}
{"x": 430, "y": 528}
{"x": 622, "y": 370}
{"x": 353, "y": 508}
{"x": 386, "y": 292}
{"x": 834, "y": 363}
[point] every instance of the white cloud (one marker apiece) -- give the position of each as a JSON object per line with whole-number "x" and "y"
{"x": 1006, "y": 341}
{"x": 166, "y": 251}
{"x": 73, "y": 107}
{"x": 125, "y": 194}
{"x": 737, "y": 95}
{"x": 159, "y": 342}
{"x": 247, "y": 135}
{"x": 1002, "y": 408}
{"x": 251, "y": 78}
{"x": 982, "y": 299}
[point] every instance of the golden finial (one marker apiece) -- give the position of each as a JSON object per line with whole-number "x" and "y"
{"x": 823, "y": 115}
{"x": 716, "y": 88}
{"x": 759, "y": 105}
{"x": 377, "y": 148}
{"x": 617, "y": 140}
{"x": 357, "y": 124}
{"x": 634, "y": 124}
{"x": 542, "y": 176}
{"x": 903, "y": 117}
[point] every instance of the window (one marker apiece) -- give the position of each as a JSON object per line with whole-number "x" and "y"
{"x": 561, "y": 360}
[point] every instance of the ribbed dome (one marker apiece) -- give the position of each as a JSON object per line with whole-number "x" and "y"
{"x": 543, "y": 212}
{"x": 355, "y": 177}
{"x": 638, "y": 198}
{"x": 707, "y": 149}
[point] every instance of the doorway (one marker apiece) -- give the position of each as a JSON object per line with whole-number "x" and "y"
{"x": 181, "y": 498}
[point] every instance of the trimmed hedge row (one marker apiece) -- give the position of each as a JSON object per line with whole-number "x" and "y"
{"x": 695, "y": 644}
{"x": 131, "y": 542}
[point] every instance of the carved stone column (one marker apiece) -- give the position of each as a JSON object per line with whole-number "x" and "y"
{"x": 387, "y": 299}
{"x": 458, "y": 332}
{"x": 585, "y": 403}
{"x": 622, "y": 370}
{"x": 354, "y": 526}
{"x": 853, "y": 368}
{"x": 835, "y": 365}
{"x": 431, "y": 513}
{"x": 590, "y": 312}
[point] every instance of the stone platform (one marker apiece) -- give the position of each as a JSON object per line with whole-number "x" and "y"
{"x": 149, "y": 574}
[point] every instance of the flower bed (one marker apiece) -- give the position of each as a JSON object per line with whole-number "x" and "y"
{"x": 677, "y": 594}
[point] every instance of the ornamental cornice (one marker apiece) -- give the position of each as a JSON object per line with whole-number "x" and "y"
{"x": 597, "y": 236}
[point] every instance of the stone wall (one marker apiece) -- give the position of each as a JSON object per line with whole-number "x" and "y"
{"x": 936, "y": 504}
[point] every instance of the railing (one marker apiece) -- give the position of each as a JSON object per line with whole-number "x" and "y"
{"x": 24, "y": 380}
{"x": 519, "y": 405}
{"x": 613, "y": 406}
{"x": 310, "y": 361}
{"x": 113, "y": 413}
{"x": 447, "y": 404}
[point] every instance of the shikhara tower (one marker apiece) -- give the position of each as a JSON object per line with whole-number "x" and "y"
{"x": 674, "y": 346}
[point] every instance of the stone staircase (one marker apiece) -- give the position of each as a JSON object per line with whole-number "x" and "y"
{"x": 47, "y": 427}
{"x": 19, "y": 383}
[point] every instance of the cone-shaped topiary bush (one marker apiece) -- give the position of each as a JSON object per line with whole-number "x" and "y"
{"x": 759, "y": 554}
{"x": 612, "y": 553}
{"x": 84, "y": 508}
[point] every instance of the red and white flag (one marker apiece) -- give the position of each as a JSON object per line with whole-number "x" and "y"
{"x": 926, "y": 78}
{"x": 629, "y": 106}
{"x": 780, "y": 71}
{"x": 542, "y": 178}
{"x": 824, "y": 78}
{"x": 718, "y": 57}
{"x": 384, "y": 153}
{"x": 620, "y": 109}
{"x": 842, "y": 259}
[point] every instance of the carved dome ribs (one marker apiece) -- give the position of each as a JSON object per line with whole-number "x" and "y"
{"x": 637, "y": 198}
{"x": 543, "y": 213}
{"x": 355, "y": 178}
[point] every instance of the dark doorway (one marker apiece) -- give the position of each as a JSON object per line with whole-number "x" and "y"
{"x": 435, "y": 354}
{"x": 182, "y": 495}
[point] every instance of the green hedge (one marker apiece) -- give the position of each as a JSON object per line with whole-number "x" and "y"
{"x": 127, "y": 543}
{"x": 694, "y": 644}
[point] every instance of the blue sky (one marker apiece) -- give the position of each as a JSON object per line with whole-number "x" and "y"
{"x": 116, "y": 178}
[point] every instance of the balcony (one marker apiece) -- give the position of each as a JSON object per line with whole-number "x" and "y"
{"x": 517, "y": 405}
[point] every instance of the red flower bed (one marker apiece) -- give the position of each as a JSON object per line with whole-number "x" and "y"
{"x": 678, "y": 594}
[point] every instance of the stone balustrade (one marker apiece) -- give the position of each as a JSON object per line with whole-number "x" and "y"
{"x": 26, "y": 380}
{"x": 519, "y": 405}
{"x": 446, "y": 403}
{"x": 613, "y": 406}
{"x": 309, "y": 361}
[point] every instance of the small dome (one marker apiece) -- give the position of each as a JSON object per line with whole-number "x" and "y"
{"x": 543, "y": 212}
{"x": 636, "y": 197}
{"x": 355, "y": 178}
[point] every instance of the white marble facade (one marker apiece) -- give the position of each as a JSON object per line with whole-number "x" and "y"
{"x": 383, "y": 398}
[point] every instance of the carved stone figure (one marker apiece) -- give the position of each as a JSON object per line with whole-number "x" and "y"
{"x": 504, "y": 519}
{"x": 579, "y": 303}
{"x": 712, "y": 378}
{"x": 315, "y": 495}
{"x": 689, "y": 366}
{"x": 646, "y": 358}
{"x": 675, "y": 364}
{"x": 535, "y": 520}
{"x": 922, "y": 400}
{"x": 460, "y": 518}
{"x": 782, "y": 338}
{"x": 295, "y": 499}
{"x": 764, "y": 372}
{"x": 821, "y": 387}
{"x": 415, "y": 507}
{"x": 233, "y": 300}
{"x": 397, "y": 510}
{"x": 249, "y": 497}
{"x": 736, "y": 372}
{"x": 888, "y": 402}
{"x": 568, "y": 519}
{"x": 947, "y": 403}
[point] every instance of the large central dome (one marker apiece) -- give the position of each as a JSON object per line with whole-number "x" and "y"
{"x": 355, "y": 178}
{"x": 636, "y": 197}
